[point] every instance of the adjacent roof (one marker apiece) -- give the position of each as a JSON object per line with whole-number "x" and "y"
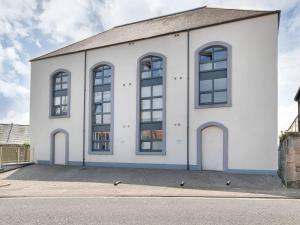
{"x": 297, "y": 96}
{"x": 14, "y": 134}
{"x": 158, "y": 26}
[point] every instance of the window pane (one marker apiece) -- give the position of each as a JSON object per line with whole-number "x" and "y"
{"x": 98, "y": 81}
{"x": 157, "y": 116}
{"x": 146, "y": 145}
{"x": 106, "y": 118}
{"x": 206, "y": 66}
{"x": 157, "y": 134}
{"x": 206, "y": 56}
{"x": 65, "y": 79}
{"x": 106, "y": 107}
{"x": 64, "y": 109}
{"x": 64, "y": 86}
{"x": 99, "y": 74}
{"x": 205, "y": 98}
{"x": 146, "y": 104}
{"x": 205, "y": 85}
{"x": 220, "y": 97}
{"x": 57, "y": 87}
{"x": 57, "y": 110}
{"x": 146, "y": 92}
{"x": 157, "y": 73}
{"x": 220, "y": 65}
{"x": 98, "y": 108}
{"x": 57, "y": 101}
{"x": 64, "y": 100}
{"x": 107, "y": 73}
{"x": 98, "y": 119}
{"x": 146, "y": 75}
{"x": 98, "y": 96}
{"x": 157, "y": 103}
{"x": 157, "y": 64}
{"x": 220, "y": 55}
{"x": 146, "y": 64}
{"x": 157, "y": 90}
{"x": 220, "y": 83}
{"x": 157, "y": 145}
{"x": 106, "y": 96}
{"x": 106, "y": 80}
{"x": 58, "y": 79}
{"x": 146, "y": 117}
{"x": 146, "y": 134}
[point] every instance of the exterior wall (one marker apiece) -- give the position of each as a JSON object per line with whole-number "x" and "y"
{"x": 289, "y": 160}
{"x": 252, "y": 118}
{"x": 40, "y": 124}
{"x": 125, "y": 61}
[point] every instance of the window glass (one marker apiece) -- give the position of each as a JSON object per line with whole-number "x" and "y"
{"x": 64, "y": 86}
{"x": 146, "y": 64}
{"x": 157, "y": 90}
{"x": 220, "y": 83}
{"x": 206, "y": 56}
{"x": 57, "y": 86}
{"x": 106, "y": 96}
{"x": 157, "y": 145}
{"x": 157, "y": 103}
{"x": 205, "y": 85}
{"x": 146, "y": 145}
{"x": 98, "y": 81}
{"x": 220, "y": 65}
{"x": 106, "y": 118}
{"x": 156, "y": 73}
{"x": 146, "y": 92}
{"x": 146, "y": 116}
{"x": 146, "y": 74}
{"x": 146, "y": 104}
{"x": 205, "y": 98}
{"x": 107, "y": 73}
{"x": 64, "y": 109}
{"x": 64, "y": 100}
{"x": 206, "y": 66}
{"x": 57, "y": 101}
{"x": 157, "y": 64}
{"x": 106, "y": 80}
{"x": 146, "y": 134}
{"x": 220, "y": 55}
{"x": 106, "y": 107}
{"x": 220, "y": 96}
{"x": 157, "y": 134}
{"x": 98, "y": 96}
{"x": 57, "y": 110}
{"x": 157, "y": 116}
{"x": 98, "y": 119}
{"x": 98, "y": 108}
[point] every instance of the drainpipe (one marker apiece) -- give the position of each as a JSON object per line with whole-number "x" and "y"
{"x": 84, "y": 96}
{"x": 188, "y": 103}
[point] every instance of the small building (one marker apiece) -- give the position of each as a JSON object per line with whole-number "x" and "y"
{"x": 191, "y": 90}
{"x": 289, "y": 152}
{"x": 14, "y": 143}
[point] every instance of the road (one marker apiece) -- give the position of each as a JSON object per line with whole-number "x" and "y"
{"x": 143, "y": 211}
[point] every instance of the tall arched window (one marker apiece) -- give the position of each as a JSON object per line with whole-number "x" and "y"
{"x": 60, "y": 106}
{"x": 101, "y": 109}
{"x": 213, "y": 76}
{"x": 151, "y": 105}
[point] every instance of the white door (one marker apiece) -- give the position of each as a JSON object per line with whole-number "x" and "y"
{"x": 212, "y": 149}
{"x": 60, "y": 149}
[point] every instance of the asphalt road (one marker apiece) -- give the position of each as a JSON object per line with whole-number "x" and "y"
{"x": 143, "y": 211}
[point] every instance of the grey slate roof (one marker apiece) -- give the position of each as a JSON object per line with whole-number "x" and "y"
{"x": 158, "y": 26}
{"x": 14, "y": 134}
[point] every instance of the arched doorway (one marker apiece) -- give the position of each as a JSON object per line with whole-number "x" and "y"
{"x": 59, "y": 147}
{"x": 212, "y": 146}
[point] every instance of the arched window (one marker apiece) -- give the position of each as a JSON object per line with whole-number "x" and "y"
{"x": 60, "y": 94}
{"x": 213, "y": 76}
{"x": 151, "y": 105}
{"x": 101, "y": 109}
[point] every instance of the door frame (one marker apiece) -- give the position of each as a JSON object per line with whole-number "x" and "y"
{"x": 52, "y": 145}
{"x": 225, "y": 143}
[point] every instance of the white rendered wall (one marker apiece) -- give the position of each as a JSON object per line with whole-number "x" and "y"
{"x": 252, "y": 119}
{"x": 41, "y": 124}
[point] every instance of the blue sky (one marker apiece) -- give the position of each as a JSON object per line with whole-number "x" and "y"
{"x": 29, "y": 28}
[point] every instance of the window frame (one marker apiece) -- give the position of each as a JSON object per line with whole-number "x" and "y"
{"x": 91, "y": 108}
{"x": 138, "y": 104}
{"x": 51, "y": 94}
{"x": 197, "y": 104}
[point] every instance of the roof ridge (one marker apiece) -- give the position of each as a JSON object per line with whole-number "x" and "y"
{"x": 254, "y": 10}
{"x": 158, "y": 17}
{"x": 14, "y": 124}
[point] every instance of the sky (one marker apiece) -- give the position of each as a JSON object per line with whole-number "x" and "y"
{"x": 29, "y": 28}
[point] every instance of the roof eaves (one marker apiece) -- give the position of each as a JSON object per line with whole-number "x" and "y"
{"x": 265, "y": 13}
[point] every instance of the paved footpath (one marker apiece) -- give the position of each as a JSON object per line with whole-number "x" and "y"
{"x": 60, "y": 181}
{"x": 159, "y": 211}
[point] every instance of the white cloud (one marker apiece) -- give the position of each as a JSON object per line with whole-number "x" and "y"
{"x": 13, "y": 90}
{"x": 16, "y": 117}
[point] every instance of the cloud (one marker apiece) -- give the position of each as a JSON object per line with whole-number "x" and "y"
{"x": 13, "y": 90}
{"x": 16, "y": 117}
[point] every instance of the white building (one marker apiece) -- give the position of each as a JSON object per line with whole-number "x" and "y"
{"x": 191, "y": 90}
